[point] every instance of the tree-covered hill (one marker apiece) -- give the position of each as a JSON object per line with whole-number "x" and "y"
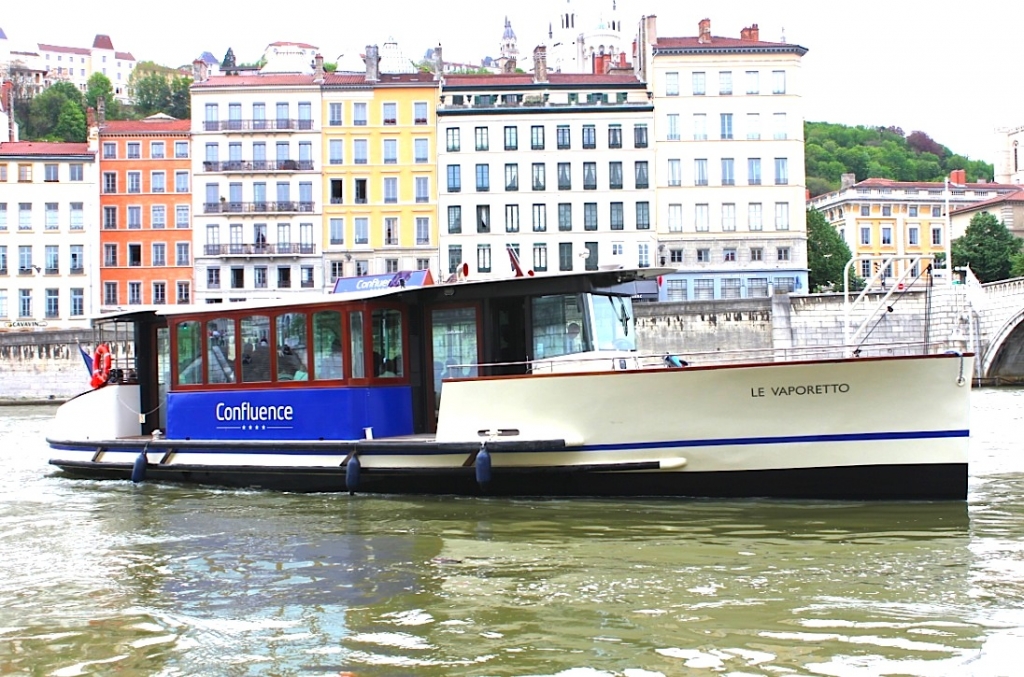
{"x": 831, "y": 150}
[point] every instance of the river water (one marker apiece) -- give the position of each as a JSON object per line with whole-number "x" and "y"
{"x": 104, "y": 578}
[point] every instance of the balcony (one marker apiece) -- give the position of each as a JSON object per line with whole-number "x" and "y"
{"x": 52, "y": 271}
{"x": 251, "y": 166}
{"x": 272, "y": 125}
{"x": 307, "y": 284}
{"x": 227, "y": 207}
{"x": 284, "y": 249}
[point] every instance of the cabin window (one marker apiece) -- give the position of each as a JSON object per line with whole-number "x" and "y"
{"x": 387, "y": 343}
{"x": 190, "y": 352}
{"x": 613, "y": 320}
{"x": 327, "y": 359}
{"x": 255, "y": 335}
{"x": 291, "y": 347}
{"x": 559, "y": 326}
{"x": 220, "y": 350}
{"x": 357, "y": 344}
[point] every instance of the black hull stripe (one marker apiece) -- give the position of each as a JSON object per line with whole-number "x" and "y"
{"x": 295, "y": 447}
{"x": 946, "y": 481}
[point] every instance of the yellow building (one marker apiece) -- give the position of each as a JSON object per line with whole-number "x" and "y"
{"x": 380, "y": 209}
{"x": 884, "y": 218}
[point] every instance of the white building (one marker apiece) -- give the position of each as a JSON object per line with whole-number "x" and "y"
{"x": 581, "y": 31}
{"x": 257, "y": 176}
{"x": 730, "y": 162}
{"x": 1009, "y": 165}
{"x": 78, "y": 64}
{"x": 49, "y": 235}
{"x": 554, "y": 166}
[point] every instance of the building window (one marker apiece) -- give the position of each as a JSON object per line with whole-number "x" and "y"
{"x": 539, "y": 176}
{"x": 778, "y": 82}
{"x": 483, "y": 258}
{"x": 782, "y": 254}
{"x": 754, "y": 171}
{"x": 700, "y": 172}
{"x": 537, "y": 137}
{"x": 865, "y": 210}
{"x": 640, "y": 135}
{"x": 390, "y": 114}
{"x": 756, "y": 254}
{"x": 452, "y": 136}
{"x": 454, "y": 178}
{"x": 590, "y": 216}
{"x": 362, "y": 231}
{"x": 701, "y": 221}
{"x": 181, "y": 216}
{"x": 182, "y": 255}
{"x": 422, "y": 230}
{"x": 589, "y": 137}
{"x": 672, "y": 84}
{"x": 753, "y": 126}
{"x": 422, "y": 189}
{"x": 110, "y": 217}
{"x": 725, "y": 83}
{"x": 641, "y": 174}
{"x": 728, "y": 217}
{"x": 781, "y": 216}
{"x": 511, "y": 177}
{"x": 184, "y": 290}
{"x": 589, "y": 176}
{"x": 334, "y": 116}
{"x": 886, "y": 236}
{"x": 454, "y": 258}
{"x": 483, "y": 218}
{"x": 110, "y": 293}
{"x": 886, "y": 210}
{"x": 50, "y": 174}
{"x": 698, "y": 84}
{"x": 390, "y": 189}
{"x": 675, "y": 173}
{"x": 540, "y": 218}
{"x": 390, "y": 151}
{"x": 703, "y": 255}
{"x": 76, "y": 171}
{"x": 729, "y": 255}
{"x": 754, "y": 216}
{"x": 700, "y": 127}
{"x": 134, "y": 150}
{"x": 359, "y": 116}
{"x": 360, "y": 151}
{"x": 913, "y": 238}
{"x": 134, "y": 218}
{"x": 781, "y": 171}
{"x": 726, "y": 119}
{"x": 109, "y": 182}
{"x": 540, "y": 257}
{"x": 52, "y": 217}
{"x": 781, "y": 130}
{"x": 728, "y": 172}
{"x": 454, "y": 219}
{"x": 158, "y": 254}
{"x": 615, "y": 136}
{"x": 564, "y": 216}
{"x": 391, "y": 231}
{"x": 753, "y": 82}
{"x": 865, "y": 235}
{"x": 565, "y": 256}
{"x": 643, "y": 216}
{"x": 511, "y": 218}
{"x": 481, "y": 137}
{"x": 675, "y": 218}
{"x": 616, "y": 214}
{"x": 180, "y": 182}
{"x": 511, "y": 138}
{"x": 615, "y": 175}
{"x": 109, "y": 150}
{"x": 483, "y": 178}
{"x": 421, "y": 151}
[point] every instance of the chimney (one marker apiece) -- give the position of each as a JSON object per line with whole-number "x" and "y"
{"x": 651, "y": 28}
{"x": 372, "y": 60}
{"x": 200, "y": 72}
{"x": 101, "y": 111}
{"x": 540, "y": 64}
{"x": 847, "y": 181}
{"x": 704, "y": 28}
{"x": 510, "y": 65}
{"x": 438, "y": 63}
{"x": 318, "y": 68}
{"x": 958, "y": 177}
{"x": 751, "y": 33}
{"x": 90, "y": 117}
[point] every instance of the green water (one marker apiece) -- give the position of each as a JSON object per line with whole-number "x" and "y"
{"x": 111, "y": 578}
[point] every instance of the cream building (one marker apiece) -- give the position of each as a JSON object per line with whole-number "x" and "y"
{"x": 728, "y": 131}
{"x": 256, "y": 181}
{"x": 49, "y": 235}
{"x": 1009, "y": 164}
{"x": 554, "y": 166}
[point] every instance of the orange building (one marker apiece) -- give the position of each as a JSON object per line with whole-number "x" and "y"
{"x": 145, "y": 212}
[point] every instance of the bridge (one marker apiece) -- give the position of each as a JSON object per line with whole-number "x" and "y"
{"x": 997, "y": 320}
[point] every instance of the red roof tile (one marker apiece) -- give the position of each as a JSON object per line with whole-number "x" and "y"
{"x": 146, "y": 126}
{"x": 526, "y": 80}
{"x": 103, "y": 42}
{"x": 719, "y": 43}
{"x": 44, "y": 148}
{"x": 124, "y": 56}
{"x": 301, "y": 45}
{"x": 66, "y": 50}
{"x": 269, "y": 79}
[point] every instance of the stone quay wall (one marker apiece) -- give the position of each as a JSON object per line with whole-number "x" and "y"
{"x": 46, "y": 365}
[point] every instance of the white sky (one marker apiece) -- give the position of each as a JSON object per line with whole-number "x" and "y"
{"x": 948, "y": 69}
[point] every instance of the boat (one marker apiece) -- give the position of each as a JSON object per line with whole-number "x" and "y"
{"x": 527, "y": 386}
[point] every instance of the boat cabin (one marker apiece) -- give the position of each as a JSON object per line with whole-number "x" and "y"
{"x": 369, "y": 363}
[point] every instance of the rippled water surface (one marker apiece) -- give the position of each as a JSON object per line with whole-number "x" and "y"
{"x": 111, "y": 578}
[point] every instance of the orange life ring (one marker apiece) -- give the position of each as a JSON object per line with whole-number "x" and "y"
{"x": 100, "y": 365}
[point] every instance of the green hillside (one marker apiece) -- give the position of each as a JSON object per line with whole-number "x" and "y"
{"x": 831, "y": 150}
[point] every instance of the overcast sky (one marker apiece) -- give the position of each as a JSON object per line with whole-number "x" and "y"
{"x": 948, "y": 69}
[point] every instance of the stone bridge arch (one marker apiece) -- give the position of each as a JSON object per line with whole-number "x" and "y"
{"x": 1004, "y": 356}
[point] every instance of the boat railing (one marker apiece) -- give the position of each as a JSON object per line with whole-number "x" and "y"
{"x": 640, "y": 360}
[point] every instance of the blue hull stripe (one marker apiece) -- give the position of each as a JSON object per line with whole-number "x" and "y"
{"x": 672, "y": 444}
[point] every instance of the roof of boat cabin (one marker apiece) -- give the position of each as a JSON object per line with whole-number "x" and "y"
{"x": 304, "y": 299}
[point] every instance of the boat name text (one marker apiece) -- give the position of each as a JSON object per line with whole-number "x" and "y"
{"x": 816, "y": 389}
{"x": 248, "y": 412}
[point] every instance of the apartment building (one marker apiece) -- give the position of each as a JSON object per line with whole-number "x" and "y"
{"x": 728, "y": 134}
{"x": 379, "y": 174}
{"x": 554, "y": 166}
{"x": 145, "y": 212}
{"x": 78, "y": 64}
{"x": 257, "y": 170}
{"x": 49, "y": 237}
{"x": 882, "y": 217}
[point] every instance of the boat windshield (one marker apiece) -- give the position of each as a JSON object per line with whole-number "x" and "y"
{"x": 614, "y": 324}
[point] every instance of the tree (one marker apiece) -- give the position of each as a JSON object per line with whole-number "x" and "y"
{"x": 181, "y": 99}
{"x": 827, "y": 255}
{"x": 71, "y": 124}
{"x": 41, "y": 115}
{"x": 1017, "y": 265}
{"x": 988, "y": 247}
{"x": 152, "y": 95}
{"x": 98, "y": 86}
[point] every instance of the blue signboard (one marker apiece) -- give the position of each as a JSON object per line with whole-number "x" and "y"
{"x": 405, "y": 278}
{"x": 290, "y": 414}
